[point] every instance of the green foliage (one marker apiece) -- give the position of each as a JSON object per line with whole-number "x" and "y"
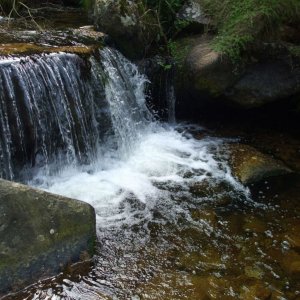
{"x": 294, "y": 50}
{"x": 85, "y": 3}
{"x": 241, "y": 22}
{"x": 166, "y": 11}
{"x": 178, "y": 51}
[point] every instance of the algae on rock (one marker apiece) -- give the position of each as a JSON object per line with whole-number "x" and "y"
{"x": 40, "y": 233}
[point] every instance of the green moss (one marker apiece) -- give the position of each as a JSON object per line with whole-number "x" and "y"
{"x": 210, "y": 86}
{"x": 242, "y": 23}
{"x": 29, "y": 49}
{"x": 179, "y": 50}
{"x": 87, "y": 4}
{"x": 294, "y": 50}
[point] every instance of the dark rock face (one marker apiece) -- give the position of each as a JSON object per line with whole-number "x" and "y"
{"x": 207, "y": 77}
{"x": 266, "y": 82}
{"x": 193, "y": 14}
{"x": 192, "y": 11}
{"x": 40, "y": 233}
{"x": 130, "y": 25}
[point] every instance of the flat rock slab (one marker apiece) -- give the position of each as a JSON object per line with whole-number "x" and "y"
{"x": 81, "y": 41}
{"x": 29, "y": 49}
{"x": 40, "y": 233}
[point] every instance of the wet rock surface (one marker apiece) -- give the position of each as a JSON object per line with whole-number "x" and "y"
{"x": 17, "y": 49}
{"x": 51, "y": 29}
{"x": 238, "y": 249}
{"x": 80, "y": 41}
{"x": 40, "y": 234}
{"x": 130, "y": 25}
{"x": 249, "y": 165}
{"x": 73, "y": 37}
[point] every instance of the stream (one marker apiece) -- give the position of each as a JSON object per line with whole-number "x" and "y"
{"x": 172, "y": 221}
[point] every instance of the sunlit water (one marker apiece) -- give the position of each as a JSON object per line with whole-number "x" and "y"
{"x": 172, "y": 222}
{"x": 143, "y": 160}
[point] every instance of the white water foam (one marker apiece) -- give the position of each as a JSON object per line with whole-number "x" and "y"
{"x": 154, "y": 164}
{"x": 161, "y": 161}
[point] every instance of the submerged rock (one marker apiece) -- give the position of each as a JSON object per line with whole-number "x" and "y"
{"x": 249, "y": 165}
{"x": 255, "y": 291}
{"x": 40, "y": 233}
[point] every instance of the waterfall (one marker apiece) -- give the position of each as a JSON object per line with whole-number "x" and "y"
{"x": 50, "y": 108}
{"x": 140, "y": 160}
{"x": 125, "y": 94}
{"x": 60, "y": 112}
{"x": 81, "y": 128}
{"x": 58, "y": 109}
{"x": 170, "y": 96}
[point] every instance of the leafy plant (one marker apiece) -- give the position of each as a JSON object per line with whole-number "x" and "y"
{"x": 166, "y": 11}
{"x": 241, "y": 23}
{"x": 85, "y": 3}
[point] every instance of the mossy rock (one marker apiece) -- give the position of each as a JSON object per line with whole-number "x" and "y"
{"x": 30, "y": 49}
{"x": 203, "y": 76}
{"x": 130, "y": 24}
{"x": 40, "y": 233}
{"x": 210, "y": 72}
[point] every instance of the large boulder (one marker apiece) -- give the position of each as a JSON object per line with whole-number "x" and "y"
{"x": 202, "y": 77}
{"x": 207, "y": 77}
{"x": 131, "y": 26}
{"x": 265, "y": 82}
{"x": 208, "y": 71}
{"x": 40, "y": 233}
{"x": 249, "y": 165}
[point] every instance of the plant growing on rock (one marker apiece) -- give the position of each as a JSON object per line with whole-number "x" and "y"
{"x": 241, "y": 24}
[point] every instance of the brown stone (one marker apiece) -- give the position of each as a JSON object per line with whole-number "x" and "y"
{"x": 250, "y": 165}
{"x": 210, "y": 72}
{"x": 28, "y": 48}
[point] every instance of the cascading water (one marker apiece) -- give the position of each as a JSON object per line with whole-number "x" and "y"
{"x": 50, "y": 110}
{"x": 151, "y": 160}
{"x": 139, "y": 174}
{"x": 170, "y": 96}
